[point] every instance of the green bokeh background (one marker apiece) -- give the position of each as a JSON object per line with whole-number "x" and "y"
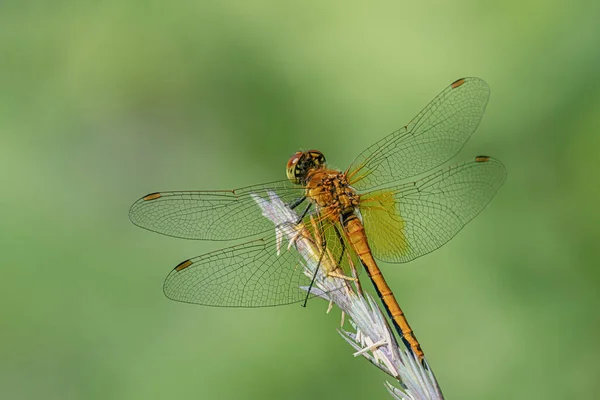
{"x": 104, "y": 101}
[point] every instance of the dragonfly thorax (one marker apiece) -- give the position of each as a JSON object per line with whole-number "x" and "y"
{"x": 330, "y": 191}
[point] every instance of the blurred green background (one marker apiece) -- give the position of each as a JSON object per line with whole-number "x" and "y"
{"x": 102, "y": 102}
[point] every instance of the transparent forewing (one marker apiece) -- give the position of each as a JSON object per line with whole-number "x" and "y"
{"x": 433, "y": 137}
{"x": 210, "y": 215}
{"x": 260, "y": 273}
{"x": 410, "y": 220}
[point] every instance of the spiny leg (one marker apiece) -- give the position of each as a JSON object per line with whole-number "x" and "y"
{"x": 343, "y": 244}
{"x": 322, "y": 242}
{"x": 312, "y": 282}
{"x": 297, "y": 202}
{"x": 304, "y": 213}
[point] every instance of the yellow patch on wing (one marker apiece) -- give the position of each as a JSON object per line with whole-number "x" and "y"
{"x": 384, "y": 226}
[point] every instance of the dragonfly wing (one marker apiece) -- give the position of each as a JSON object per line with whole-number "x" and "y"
{"x": 210, "y": 215}
{"x": 433, "y": 137}
{"x": 261, "y": 273}
{"x": 246, "y": 275}
{"x": 413, "y": 219}
{"x": 339, "y": 250}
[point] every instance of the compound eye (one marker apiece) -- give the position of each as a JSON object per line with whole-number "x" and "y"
{"x": 317, "y": 157}
{"x": 292, "y": 169}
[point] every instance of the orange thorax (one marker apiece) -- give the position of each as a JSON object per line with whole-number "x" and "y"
{"x": 330, "y": 191}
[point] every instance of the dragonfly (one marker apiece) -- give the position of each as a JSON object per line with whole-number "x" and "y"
{"x": 394, "y": 203}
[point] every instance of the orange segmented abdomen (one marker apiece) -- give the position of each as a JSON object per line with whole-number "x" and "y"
{"x": 356, "y": 237}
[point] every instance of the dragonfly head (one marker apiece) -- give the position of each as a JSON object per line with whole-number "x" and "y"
{"x": 300, "y": 164}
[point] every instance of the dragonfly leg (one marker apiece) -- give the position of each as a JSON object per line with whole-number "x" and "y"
{"x": 341, "y": 240}
{"x": 323, "y": 244}
{"x": 312, "y": 282}
{"x": 304, "y": 213}
{"x": 297, "y": 202}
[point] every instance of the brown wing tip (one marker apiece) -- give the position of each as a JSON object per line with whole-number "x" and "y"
{"x": 151, "y": 196}
{"x": 457, "y": 83}
{"x": 183, "y": 265}
{"x": 482, "y": 159}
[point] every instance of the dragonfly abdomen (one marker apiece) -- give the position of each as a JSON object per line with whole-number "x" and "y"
{"x": 355, "y": 233}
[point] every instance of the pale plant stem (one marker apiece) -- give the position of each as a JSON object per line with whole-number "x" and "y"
{"x": 372, "y": 337}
